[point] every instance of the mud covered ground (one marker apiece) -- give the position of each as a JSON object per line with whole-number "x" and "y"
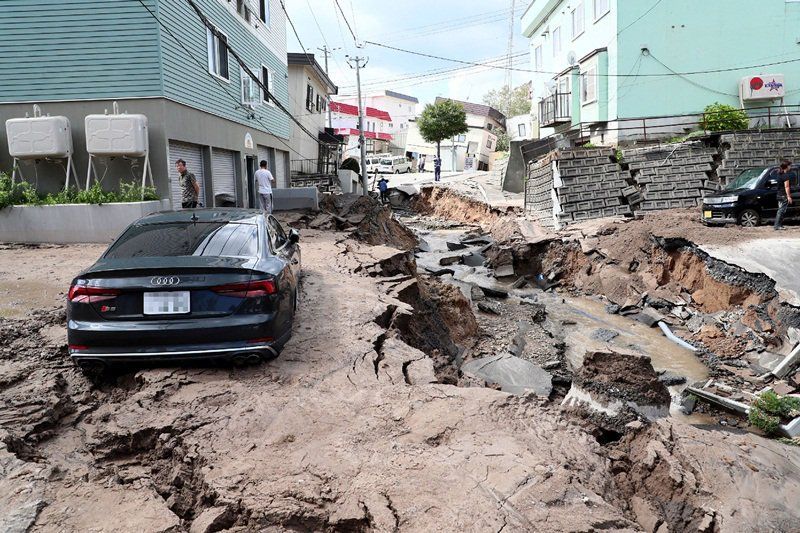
{"x": 349, "y": 429}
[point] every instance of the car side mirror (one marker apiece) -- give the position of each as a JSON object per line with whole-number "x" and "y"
{"x": 294, "y": 236}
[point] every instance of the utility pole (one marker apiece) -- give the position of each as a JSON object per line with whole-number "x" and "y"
{"x": 510, "y": 49}
{"x": 361, "y": 140}
{"x": 327, "y": 52}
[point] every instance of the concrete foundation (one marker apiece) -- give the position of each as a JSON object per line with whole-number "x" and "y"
{"x": 73, "y": 223}
{"x": 295, "y": 198}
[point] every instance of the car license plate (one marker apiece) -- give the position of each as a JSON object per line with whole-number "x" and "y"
{"x": 706, "y": 214}
{"x": 166, "y": 303}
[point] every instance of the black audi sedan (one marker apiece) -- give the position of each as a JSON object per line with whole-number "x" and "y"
{"x": 749, "y": 200}
{"x": 176, "y": 285}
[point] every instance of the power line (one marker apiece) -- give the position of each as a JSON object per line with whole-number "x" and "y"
{"x": 355, "y": 39}
{"x": 692, "y": 73}
{"x": 643, "y": 15}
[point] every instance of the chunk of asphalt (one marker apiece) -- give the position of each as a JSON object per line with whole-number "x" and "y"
{"x": 440, "y": 272}
{"x": 454, "y": 246}
{"x": 612, "y": 309}
{"x": 513, "y": 374}
{"x": 604, "y": 335}
{"x": 494, "y": 293}
{"x": 476, "y": 293}
{"x": 521, "y": 282}
{"x": 648, "y": 317}
{"x": 504, "y": 271}
{"x": 477, "y": 240}
{"x": 452, "y": 260}
{"x": 670, "y": 378}
{"x": 423, "y": 246}
{"x": 488, "y": 308}
{"x": 473, "y": 260}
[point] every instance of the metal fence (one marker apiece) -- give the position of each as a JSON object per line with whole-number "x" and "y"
{"x": 555, "y": 109}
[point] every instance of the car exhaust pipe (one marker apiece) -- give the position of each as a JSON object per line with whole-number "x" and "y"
{"x": 253, "y": 359}
{"x": 92, "y": 367}
{"x": 239, "y": 359}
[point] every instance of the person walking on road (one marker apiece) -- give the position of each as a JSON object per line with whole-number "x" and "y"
{"x": 265, "y": 179}
{"x": 383, "y": 186}
{"x": 189, "y": 186}
{"x": 437, "y": 168}
{"x": 786, "y": 177}
{"x": 421, "y": 163}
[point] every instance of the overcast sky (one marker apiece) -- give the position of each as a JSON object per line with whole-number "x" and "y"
{"x": 463, "y": 29}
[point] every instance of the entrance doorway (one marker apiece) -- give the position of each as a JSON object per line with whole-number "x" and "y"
{"x": 252, "y": 186}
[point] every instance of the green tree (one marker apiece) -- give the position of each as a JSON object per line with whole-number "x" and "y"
{"x": 723, "y": 117}
{"x": 510, "y": 102}
{"x": 442, "y": 121}
{"x": 503, "y": 141}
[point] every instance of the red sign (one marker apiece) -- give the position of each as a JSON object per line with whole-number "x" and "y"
{"x": 756, "y": 84}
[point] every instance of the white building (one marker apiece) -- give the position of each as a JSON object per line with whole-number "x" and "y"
{"x": 311, "y": 89}
{"x": 479, "y": 142}
{"x": 344, "y": 119}
{"x": 402, "y": 109}
{"x": 520, "y": 127}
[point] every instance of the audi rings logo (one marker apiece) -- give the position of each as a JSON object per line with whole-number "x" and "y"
{"x": 165, "y": 281}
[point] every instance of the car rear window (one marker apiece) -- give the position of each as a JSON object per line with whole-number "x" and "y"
{"x": 184, "y": 239}
{"x": 386, "y": 161}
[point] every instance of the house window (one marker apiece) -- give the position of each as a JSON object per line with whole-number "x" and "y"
{"x": 556, "y": 41}
{"x": 577, "y": 20}
{"x": 537, "y": 58}
{"x": 250, "y": 92}
{"x": 310, "y": 98}
{"x": 589, "y": 86}
{"x": 324, "y": 102}
{"x": 391, "y": 125}
{"x": 489, "y": 126}
{"x": 266, "y": 79}
{"x": 243, "y": 9}
{"x": 217, "y": 54}
{"x": 521, "y": 130}
{"x": 489, "y": 144}
{"x": 563, "y": 85}
{"x": 264, "y": 11}
{"x": 318, "y": 105}
{"x": 601, "y": 7}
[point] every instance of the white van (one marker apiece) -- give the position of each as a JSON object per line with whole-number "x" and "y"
{"x": 373, "y": 161}
{"x": 394, "y": 165}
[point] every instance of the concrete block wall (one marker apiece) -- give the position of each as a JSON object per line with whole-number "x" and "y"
{"x": 670, "y": 176}
{"x": 746, "y": 149}
{"x": 539, "y": 191}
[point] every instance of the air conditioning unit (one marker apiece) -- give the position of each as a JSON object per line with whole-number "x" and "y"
{"x": 762, "y": 87}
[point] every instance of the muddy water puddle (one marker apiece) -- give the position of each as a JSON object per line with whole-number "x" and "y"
{"x": 582, "y": 321}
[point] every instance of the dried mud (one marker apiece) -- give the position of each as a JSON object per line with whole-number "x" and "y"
{"x": 352, "y": 428}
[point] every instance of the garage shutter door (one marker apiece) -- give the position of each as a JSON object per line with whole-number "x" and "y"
{"x": 223, "y": 177}
{"x": 281, "y": 175}
{"x": 193, "y": 155}
{"x": 268, "y": 155}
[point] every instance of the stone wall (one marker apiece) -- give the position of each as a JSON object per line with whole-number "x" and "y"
{"x": 746, "y": 149}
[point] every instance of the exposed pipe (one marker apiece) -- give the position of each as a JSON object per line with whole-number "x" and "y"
{"x": 674, "y": 338}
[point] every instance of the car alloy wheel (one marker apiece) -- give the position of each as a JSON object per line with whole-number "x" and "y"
{"x": 749, "y": 218}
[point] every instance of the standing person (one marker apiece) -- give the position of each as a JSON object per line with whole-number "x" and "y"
{"x": 189, "y": 186}
{"x": 265, "y": 179}
{"x": 383, "y": 186}
{"x": 785, "y": 178}
{"x": 421, "y": 166}
{"x": 437, "y": 168}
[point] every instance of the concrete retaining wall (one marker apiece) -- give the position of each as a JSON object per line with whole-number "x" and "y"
{"x": 295, "y": 198}
{"x": 746, "y": 149}
{"x": 71, "y": 223}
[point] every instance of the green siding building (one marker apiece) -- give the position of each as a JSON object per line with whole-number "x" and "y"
{"x": 157, "y": 58}
{"x": 603, "y": 65}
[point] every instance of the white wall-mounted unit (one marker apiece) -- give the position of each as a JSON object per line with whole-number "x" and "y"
{"x": 763, "y": 87}
{"x": 116, "y": 135}
{"x": 40, "y": 138}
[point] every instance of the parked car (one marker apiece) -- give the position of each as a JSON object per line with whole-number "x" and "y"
{"x": 373, "y": 162}
{"x": 177, "y": 285}
{"x": 750, "y": 199}
{"x": 394, "y": 165}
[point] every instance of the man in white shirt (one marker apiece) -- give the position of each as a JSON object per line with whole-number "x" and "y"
{"x": 265, "y": 180}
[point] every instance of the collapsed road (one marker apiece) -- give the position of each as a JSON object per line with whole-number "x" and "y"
{"x": 366, "y": 422}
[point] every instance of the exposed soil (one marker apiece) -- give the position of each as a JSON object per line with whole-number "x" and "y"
{"x": 351, "y": 428}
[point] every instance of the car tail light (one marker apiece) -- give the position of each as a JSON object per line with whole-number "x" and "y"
{"x": 78, "y": 347}
{"x": 87, "y": 294}
{"x": 252, "y": 289}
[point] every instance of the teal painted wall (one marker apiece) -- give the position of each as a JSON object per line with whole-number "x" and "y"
{"x": 693, "y": 35}
{"x": 77, "y": 49}
{"x": 189, "y": 83}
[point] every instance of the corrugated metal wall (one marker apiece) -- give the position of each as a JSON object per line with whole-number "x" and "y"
{"x": 193, "y": 155}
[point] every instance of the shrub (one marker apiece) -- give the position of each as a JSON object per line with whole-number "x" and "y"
{"x": 723, "y": 117}
{"x": 769, "y": 409}
{"x": 351, "y": 164}
{"x": 24, "y": 193}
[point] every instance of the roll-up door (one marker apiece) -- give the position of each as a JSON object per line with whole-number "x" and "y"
{"x": 223, "y": 177}
{"x": 281, "y": 174}
{"x": 193, "y": 155}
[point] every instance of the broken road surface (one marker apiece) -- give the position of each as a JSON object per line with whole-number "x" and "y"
{"x": 345, "y": 431}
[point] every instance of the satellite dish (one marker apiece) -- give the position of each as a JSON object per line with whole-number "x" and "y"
{"x": 572, "y": 58}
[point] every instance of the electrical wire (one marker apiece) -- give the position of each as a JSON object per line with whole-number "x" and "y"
{"x": 355, "y": 39}
{"x": 697, "y": 72}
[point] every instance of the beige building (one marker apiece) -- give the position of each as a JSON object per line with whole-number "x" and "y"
{"x": 310, "y": 89}
{"x": 476, "y": 145}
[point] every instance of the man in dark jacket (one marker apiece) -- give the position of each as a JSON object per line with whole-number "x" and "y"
{"x": 383, "y": 186}
{"x": 786, "y": 177}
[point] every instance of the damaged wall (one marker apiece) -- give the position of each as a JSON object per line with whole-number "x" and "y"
{"x": 746, "y": 149}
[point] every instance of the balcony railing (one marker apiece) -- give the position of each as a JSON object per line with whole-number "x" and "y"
{"x": 555, "y": 109}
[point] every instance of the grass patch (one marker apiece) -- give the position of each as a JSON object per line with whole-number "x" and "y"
{"x": 769, "y": 410}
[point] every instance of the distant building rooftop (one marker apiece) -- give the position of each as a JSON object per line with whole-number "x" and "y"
{"x": 300, "y": 58}
{"x": 481, "y": 110}
{"x": 401, "y": 96}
